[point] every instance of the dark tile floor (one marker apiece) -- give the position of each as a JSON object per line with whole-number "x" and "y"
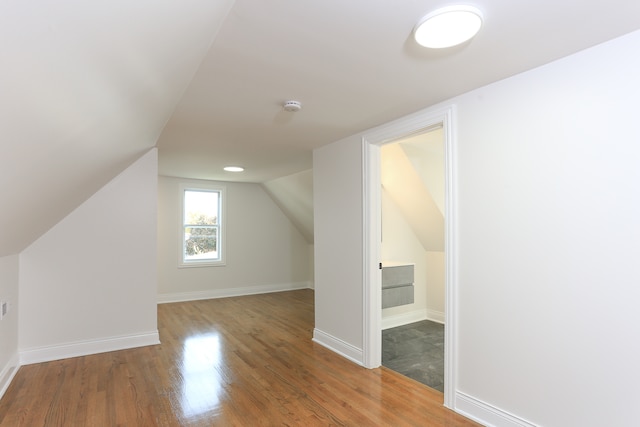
{"x": 416, "y": 351}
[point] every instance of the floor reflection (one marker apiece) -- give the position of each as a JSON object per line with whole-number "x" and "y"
{"x": 201, "y": 386}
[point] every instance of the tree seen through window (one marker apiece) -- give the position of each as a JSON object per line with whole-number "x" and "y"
{"x": 201, "y": 225}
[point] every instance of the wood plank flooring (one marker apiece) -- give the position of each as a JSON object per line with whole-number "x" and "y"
{"x": 244, "y": 361}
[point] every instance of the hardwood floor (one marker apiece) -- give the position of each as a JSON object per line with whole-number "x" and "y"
{"x": 244, "y": 361}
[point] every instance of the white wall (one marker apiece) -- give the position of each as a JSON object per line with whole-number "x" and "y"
{"x": 549, "y": 238}
{"x": 9, "y": 268}
{"x": 264, "y": 250}
{"x": 435, "y": 285}
{"x": 337, "y": 203}
{"x": 400, "y": 244}
{"x": 89, "y": 283}
{"x": 548, "y": 241}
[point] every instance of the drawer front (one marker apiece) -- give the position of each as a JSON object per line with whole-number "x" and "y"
{"x": 399, "y": 295}
{"x": 397, "y": 276}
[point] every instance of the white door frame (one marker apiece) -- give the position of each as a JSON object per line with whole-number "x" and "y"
{"x": 371, "y": 193}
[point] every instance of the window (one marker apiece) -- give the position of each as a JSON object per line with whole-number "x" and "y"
{"x": 202, "y": 234}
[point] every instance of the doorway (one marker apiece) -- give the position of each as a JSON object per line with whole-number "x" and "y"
{"x": 372, "y": 195}
{"x": 412, "y": 253}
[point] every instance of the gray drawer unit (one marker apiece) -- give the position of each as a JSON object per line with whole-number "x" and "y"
{"x": 400, "y": 295}
{"x": 397, "y": 285}
{"x": 397, "y": 275}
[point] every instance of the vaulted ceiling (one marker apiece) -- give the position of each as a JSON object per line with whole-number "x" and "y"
{"x": 86, "y": 87}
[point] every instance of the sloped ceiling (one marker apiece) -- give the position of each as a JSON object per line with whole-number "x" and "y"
{"x": 353, "y": 65}
{"x": 408, "y": 191}
{"x": 86, "y": 88}
{"x": 294, "y": 195}
{"x": 426, "y": 154}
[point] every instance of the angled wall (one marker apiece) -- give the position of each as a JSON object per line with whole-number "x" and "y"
{"x": 426, "y": 153}
{"x": 86, "y": 90}
{"x": 89, "y": 283}
{"x": 294, "y": 195}
{"x": 406, "y": 188}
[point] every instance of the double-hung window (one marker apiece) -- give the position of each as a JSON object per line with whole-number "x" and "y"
{"x": 202, "y": 226}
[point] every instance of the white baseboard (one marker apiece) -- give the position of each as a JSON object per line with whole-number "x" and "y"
{"x": 336, "y": 345}
{"x": 412, "y": 317}
{"x": 8, "y": 372}
{"x": 435, "y": 316}
{"x": 403, "y": 319}
{"x": 84, "y": 348}
{"x": 486, "y": 414}
{"x": 231, "y": 292}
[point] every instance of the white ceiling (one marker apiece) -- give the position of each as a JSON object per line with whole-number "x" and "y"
{"x": 353, "y": 65}
{"x": 86, "y": 86}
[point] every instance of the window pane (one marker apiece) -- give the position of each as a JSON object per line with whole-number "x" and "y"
{"x": 201, "y": 243}
{"x": 201, "y": 207}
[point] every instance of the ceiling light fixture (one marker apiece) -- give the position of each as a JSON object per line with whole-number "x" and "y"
{"x": 292, "y": 106}
{"x": 449, "y": 26}
{"x": 234, "y": 168}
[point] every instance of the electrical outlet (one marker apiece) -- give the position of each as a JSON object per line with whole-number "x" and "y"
{"x": 4, "y": 307}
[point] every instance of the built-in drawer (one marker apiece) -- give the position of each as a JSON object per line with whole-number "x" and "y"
{"x": 397, "y": 275}
{"x": 397, "y": 285}
{"x": 399, "y": 295}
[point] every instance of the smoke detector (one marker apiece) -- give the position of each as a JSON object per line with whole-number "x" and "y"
{"x": 292, "y": 106}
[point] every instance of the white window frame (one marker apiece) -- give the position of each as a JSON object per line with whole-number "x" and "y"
{"x": 221, "y": 244}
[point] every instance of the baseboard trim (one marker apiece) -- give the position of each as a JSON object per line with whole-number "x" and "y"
{"x": 231, "y": 292}
{"x": 435, "y": 316}
{"x": 85, "y": 348}
{"x": 336, "y": 345}
{"x": 487, "y": 414}
{"x": 404, "y": 319}
{"x": 8, "y": 372}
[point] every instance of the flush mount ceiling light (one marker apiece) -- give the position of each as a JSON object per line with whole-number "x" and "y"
{"x": 234, "y": 168}
{"x": 448, "y": 26}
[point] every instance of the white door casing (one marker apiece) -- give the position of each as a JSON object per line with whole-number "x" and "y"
{"x": 372, "y": 309}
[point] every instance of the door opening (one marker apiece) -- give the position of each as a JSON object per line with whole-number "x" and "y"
{"x": 418, "y": 124}
{"x": 412, "y": 253}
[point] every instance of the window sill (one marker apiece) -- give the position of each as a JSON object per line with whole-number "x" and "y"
{"x": 196, "y": 264}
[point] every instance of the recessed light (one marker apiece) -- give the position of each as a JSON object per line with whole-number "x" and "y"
{"x": 448, "y": 26}
{"x": 234, "y": 168}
